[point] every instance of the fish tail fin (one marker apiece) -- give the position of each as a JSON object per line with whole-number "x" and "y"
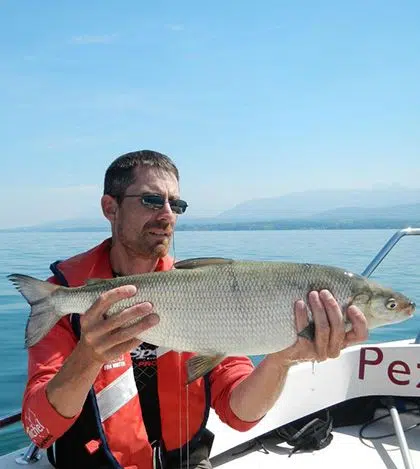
{"x": 43, "y": 315}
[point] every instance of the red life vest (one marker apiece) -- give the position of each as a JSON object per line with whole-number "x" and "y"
{"x": 111, "y": 420}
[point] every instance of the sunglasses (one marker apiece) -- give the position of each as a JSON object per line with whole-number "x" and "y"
{"x": 156, "y": 202}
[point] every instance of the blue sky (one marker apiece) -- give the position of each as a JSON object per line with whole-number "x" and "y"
{"x": 251, "y": 99}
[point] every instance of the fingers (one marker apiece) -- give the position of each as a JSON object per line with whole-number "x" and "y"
{"x": 322, "y": 325}
{"x": 301, "y": 315}
{"x": 330, "y": 336}
{"x": 329, "y": 324}
{"x": 134, "y": 313}
{"x": 303, "y": 349}
{"x": 120, "y": 349}
{"x": 100, "y": 345}
{"x": 107, "y": 299}
{"x": 336, "y": 321}
{"x": 124, "y": 334}
{"x": 102, "y": 335}
{"x": 91, "y": 322}
{"x": 359, "y": 331}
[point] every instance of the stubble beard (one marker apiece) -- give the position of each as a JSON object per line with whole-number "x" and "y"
{"x": 144, "y": 245}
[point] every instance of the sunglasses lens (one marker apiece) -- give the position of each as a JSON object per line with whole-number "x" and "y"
{"x": 178, "y": 206}
{"x": 153, "y": 201}
{"x": 156, "y": 202}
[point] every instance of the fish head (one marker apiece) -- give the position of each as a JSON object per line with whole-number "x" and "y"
{"x": 382, "y": 305}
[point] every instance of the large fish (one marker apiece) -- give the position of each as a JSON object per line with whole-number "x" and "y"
{"x": 218, "y": 307}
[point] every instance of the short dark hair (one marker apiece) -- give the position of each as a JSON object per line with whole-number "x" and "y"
{"x": 121, "y": 172}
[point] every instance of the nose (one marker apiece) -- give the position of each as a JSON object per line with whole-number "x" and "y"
{"x": 166, "y": 211}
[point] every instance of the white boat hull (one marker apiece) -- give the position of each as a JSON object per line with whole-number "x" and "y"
{"x": 387, "y": 369}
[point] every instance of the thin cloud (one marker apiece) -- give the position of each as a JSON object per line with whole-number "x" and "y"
{"x": 92, "y": 39}
{"x": 175, "y": 27}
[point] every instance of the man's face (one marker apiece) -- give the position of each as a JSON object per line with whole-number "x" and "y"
{"x": 145, "y": 231}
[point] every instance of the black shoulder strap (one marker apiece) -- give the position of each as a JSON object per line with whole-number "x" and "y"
{"x": 69, "y": 450}
{"x": 58, "y": 274}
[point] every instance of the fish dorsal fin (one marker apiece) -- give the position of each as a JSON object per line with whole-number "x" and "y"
{"x": 93, "y": 281}
{"x": 198, "y": 262}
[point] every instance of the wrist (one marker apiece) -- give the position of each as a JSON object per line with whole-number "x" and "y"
{"x": 67, "y": 390}
{"x": 84, "y": 355}
{"x": 278, "y": 361}
{"x": 284, "y": 359}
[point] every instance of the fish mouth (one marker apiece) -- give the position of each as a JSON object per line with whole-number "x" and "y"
{"x": 409, "y": 310}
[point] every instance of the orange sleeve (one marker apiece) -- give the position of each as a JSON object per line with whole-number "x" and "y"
{"x": 41, "y": 421}
{"x": 223, "y": 380}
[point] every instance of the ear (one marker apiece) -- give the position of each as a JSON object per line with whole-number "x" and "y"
{"x": 109, "y": 207}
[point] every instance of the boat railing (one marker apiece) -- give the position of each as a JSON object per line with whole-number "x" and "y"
{"x": 384, "y": 252}
{"x": 9, "y": 419}
{"x": 31, "y": 455}
{"x": 387, "y": 248}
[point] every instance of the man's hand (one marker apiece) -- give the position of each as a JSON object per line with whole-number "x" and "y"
{"x": 102, "y": 339}
{"x": 105, "y": 338}
{"x": 256, "y": 394}
{"x": 330, "y": 335}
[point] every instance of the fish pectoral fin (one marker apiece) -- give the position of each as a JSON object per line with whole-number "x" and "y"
{"x": 347, "y": 325}
{"x": 199, "y": 365}
{"x": 308, "y": 332}
{"x": 198, "y": 262}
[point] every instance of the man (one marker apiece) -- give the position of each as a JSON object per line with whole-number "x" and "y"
{"x": 93, "y": 404}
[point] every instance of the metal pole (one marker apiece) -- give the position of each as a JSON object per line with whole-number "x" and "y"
{"x": 399, "y": 432}
{"x": 30, "y": 456}
{"x": 405, "y": 452}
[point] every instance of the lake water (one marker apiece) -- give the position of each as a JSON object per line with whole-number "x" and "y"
{"x": 32, "y": 253}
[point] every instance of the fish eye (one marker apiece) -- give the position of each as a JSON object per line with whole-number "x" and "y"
{"x": 392, "y": 303}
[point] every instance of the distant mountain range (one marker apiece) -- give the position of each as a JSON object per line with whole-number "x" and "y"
{"x": 397, "y": 212}
{"x": 313, "y": 203}
{"x": 399, "y": 216}
{"x": 391, "y": 208}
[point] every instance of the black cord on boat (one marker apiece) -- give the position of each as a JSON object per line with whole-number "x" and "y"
{"x": 415, "y": 410}
{"x": 251, "y": 445}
